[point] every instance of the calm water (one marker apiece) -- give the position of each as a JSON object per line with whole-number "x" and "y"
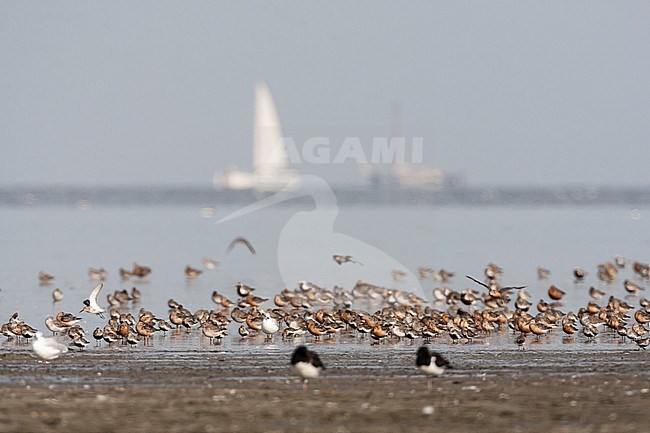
{"x": 65, "y": 241}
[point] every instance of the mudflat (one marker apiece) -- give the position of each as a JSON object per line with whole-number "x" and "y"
{"x": 362, "y": 390}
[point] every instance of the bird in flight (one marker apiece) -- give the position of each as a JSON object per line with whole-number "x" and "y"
{"x": 340, "y": 259}
{"x": 241, "y": 240}
{"x": 91, "y": 306}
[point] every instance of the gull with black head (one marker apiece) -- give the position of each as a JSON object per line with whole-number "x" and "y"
{"x": 91, "y": 306}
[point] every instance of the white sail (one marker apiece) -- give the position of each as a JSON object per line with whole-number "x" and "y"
{"x": 269, "y": 153}
{"x": 271, "y": 170}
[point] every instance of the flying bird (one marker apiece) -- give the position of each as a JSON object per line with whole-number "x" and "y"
{"x": 241, "y": 240}
{"x": 345, "y": 259}
{"x": 310, "y": 235}
{"x": 91, "y": 306}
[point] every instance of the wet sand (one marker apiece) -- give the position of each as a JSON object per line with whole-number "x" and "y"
{"x": 363, "y": 389}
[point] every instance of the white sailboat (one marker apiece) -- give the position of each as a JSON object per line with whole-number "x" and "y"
{"x": 271, "y": 170}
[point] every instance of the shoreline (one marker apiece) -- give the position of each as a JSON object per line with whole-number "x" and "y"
{"x": 369, "y": 390}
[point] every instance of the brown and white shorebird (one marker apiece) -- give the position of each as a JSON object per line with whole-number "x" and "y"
{"x": 632, "y": 287}
{"x": 125, "y": 274}
{"x": 340, "y": 259}
{"x": 443, "y": 275}
{"x": 100, "y": 274}
{"x": 210, "y": 264}
{"x": 607, "y": 272}
{"x": 520, "y": 340}
{"x": 306, "y": 364}
{"x": 243, "y": 290}
{"x": 44, "y": 277}
{"x": 424, "y": 272}
{"x": 579, "y": 274}
{"x": 492, "y": 271}
{"x": 241, "y": 240}
{"x": 542, "y": 273}
{"x": 595, "y": 293}
{"x": 57, "y": 295}
{"x": 555, "y": 293}
{"x": 140, "y": 271}
{"x": 191, "y": 272}
{"x": 621, "y": 262}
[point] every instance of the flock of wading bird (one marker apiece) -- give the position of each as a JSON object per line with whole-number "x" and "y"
{"x": 309, "y": 311}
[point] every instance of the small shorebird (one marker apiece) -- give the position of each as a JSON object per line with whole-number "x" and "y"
{"x": 243, "y": 290}
{"x": 54, "y": 325}
{"x": 44, "y": 277}
{"x": 590, "y": 331}
{"x": 210, "y": 264}
{"x": 642, "y": 316}
{"x": 255, "y": 301}
{"x": 221, "y": 300}
{"x": 306, "y": 364}
{"x": 91, "y": 306}
{"x": 68, "y": 319}
{"x": 424, "y": 271}
{"x": 642, "y": 342}
{"x": 520, "y": 340}
{"x": 241, "y": 240}
{"x": 57, "y": 295}
{"x": 632, "y": 287}
{"x": 621, "y": 262}
{"x": 47, "y": 348}
{"x": 607, "y": 272}
{"x": 140, "y": 271}
{"x": 555, "y": 293}
{"x": 569, "y": 325}
{"x": 595, "y": 293}
{"x": 125, "y": 274}
{"x": 579, "y": 274}
{"x": 398, "y": 275}
{"x": 243, "y": 331}
{"x": 191, "y": 272}
{"x": 492, "y": 271}
{"x": 98, "y": 335}
{"x": 345, "y": 259}
{"x": 641, "y": 269}
{"x": 430, "y": 363}
{"x": 443, "y": 275}
{"x": 163, "y": 326}
{"x": 542, "y": 273}
{"x": 97, "y": 274}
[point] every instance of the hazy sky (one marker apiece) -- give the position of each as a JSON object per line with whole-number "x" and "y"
{"x": 506, "y": 92}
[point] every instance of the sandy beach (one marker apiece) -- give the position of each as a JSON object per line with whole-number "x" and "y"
{"x": 363, "y": 389}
